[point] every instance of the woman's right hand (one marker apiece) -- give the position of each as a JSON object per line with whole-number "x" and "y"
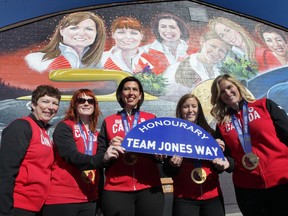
{"x": 221, "y": 144}
{"x": 114, "y": 149}
{"x": 112, "y": 152}
{"x": 116, "y": 141}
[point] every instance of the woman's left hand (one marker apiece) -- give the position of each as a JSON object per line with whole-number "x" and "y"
{"x": 176, "y": 161}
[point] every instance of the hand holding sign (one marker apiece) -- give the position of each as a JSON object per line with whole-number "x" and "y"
{"x": 170, "y": 136}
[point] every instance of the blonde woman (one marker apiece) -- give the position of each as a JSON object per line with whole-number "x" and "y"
{"x": 243, "y": 45}
{"x": 184, "y": 76}
{"x": 255, "y": 133}
{"x": 204, "y": 64}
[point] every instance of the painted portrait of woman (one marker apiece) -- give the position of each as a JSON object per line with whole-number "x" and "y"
{"x": 78, "y": 42}
{"x": 276, "y": 53}
{"x": 200, "y": 66}
{"x": 126, "y": 54}
{"x": 170, "y": 45}
{"x": 243, "y": 45}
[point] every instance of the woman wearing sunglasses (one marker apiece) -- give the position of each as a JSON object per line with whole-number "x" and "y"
{"x": 75, "y": 180}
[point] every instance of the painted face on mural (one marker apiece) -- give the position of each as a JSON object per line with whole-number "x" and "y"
{"x": 169, "y": 30}
{"x": 131, "y": 94}
{"x": 46, "y": 108}
{"x": 229, "y": 35}
{"x": 276, "y": 43}
{"x": 127, "y": 39}
{"x": 229, "y": 94}
{"x": 81, "y": 35}
{"x": 189, "y": 110}
{"x": 214, "y": 50}
{"x": 85, "y": 108}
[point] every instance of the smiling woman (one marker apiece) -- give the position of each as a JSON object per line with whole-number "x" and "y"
{"x": 126, "y": 55}
{"x": 170, "y": 45}
{"x": 201, "y": 195}
{"x": 73, "y": 173}
{"x": 256, "y": 153}
{"x": 276, "y": 41}
{"x": 78, "y": 42}
{"x": 26, "y": 156}
{"x": 132, "y": 182}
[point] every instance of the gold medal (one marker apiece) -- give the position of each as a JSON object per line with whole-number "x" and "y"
{"x": 198, "y": 175}
{"x": 130, "y": 158}
{"x": 203, "y": 92}
{"x": 88, "y": 176}
{"x": 250, "y": 161}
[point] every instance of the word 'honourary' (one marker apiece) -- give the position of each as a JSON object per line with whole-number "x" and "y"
{"x": 160, "y": 123}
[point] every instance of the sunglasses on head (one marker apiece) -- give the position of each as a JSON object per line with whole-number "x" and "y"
{"x": 83, "y": 101}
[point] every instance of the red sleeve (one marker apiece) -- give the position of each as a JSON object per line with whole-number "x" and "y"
{"x": 266, "y": 60}
{"x": 59, "y": 63}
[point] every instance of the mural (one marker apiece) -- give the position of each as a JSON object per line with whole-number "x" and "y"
{"x": 172, "y": 47}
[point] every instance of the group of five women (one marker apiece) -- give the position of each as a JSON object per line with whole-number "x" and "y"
{"x": 35, "y": 182}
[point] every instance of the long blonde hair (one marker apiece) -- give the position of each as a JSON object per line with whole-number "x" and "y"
{"x": 250, "y": 43}
{"x": 185, "y": 74}
{"x": 219, "y": 108}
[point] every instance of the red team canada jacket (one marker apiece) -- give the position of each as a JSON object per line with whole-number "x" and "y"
{"x": 120, "y": 176}
{"x": 28, "y": 166}
{"x": 185, "y": 187}
{"x": 69, "y": 182}
{"x": 33, "y": 180}
{"x": 269, "y": 142}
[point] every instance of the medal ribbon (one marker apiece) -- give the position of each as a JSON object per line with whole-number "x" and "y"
{"x": 197, "y": 163}
{"x": 126, "y": 123}
{"x": 89, "y": 148}
{"x": 244, "y": 135}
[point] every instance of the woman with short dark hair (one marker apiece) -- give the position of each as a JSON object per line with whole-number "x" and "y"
{"x": 26, "y": 156}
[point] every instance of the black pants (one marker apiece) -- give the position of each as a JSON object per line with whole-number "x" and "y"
{"x": 263, "y": 202}
{"x": 188, "y": 207}
{"x": 73, "y": 209}
{"x": 147, "y": 202}
{"x": 23, "y": 212}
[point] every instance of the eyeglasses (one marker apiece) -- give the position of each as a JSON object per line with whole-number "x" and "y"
{"x": 83, "y": 101}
